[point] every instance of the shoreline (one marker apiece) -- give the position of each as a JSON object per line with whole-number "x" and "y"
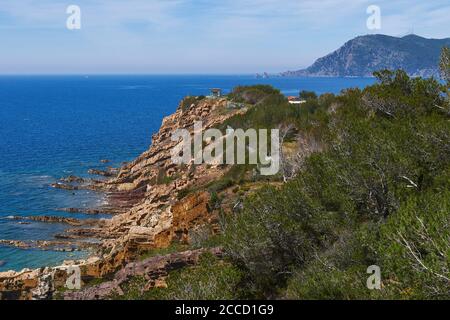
{"x": 60, "y": 242}
{"x": 154, "y": 212}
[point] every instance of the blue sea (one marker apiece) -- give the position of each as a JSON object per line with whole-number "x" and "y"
{"x": 55, "y": 126}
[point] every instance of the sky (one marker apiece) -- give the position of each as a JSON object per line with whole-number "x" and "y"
{"x": 197, "y": 36}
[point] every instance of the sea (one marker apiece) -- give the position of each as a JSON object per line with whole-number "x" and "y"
{"x": 55, "y": 126}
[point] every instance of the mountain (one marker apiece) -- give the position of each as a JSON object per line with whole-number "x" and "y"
{"x": 361, "y": 56}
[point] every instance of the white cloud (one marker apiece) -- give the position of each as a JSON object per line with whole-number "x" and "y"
{"x": 263, "y": 34}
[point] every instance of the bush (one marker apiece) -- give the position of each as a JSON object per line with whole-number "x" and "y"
{"x": 366, "y": 199}
{"x": 211, "y": 279}
{"x": 307, "y": 95}
{"x": 276, "y": 231}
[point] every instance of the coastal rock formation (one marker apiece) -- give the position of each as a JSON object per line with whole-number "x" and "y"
{"x": 42, "y": 283}
{"x": 160, "y": 217}
{"x": 93, "y": 211}
{"x": 150, "y": 210}
{"x": 105, "y": 173}
{"x": 55, "y": 245}
{"x": 72, "y": 179}
{"x": 154, "y": 270}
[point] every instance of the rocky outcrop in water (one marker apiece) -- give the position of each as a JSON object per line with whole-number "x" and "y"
{"x": 53, "y": 219}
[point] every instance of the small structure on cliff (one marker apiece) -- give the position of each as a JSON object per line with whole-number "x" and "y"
{"x": 216, "y": 93}
{"x": 295, "y": 100}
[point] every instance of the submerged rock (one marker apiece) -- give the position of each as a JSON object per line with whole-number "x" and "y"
{"x": 104, "y": 173}
{"x": 154, "y": 269}
{"x": 63, "y": 186}
{"x": 154, "y": 208}
{"x": 2, "y": 263}
{"x": 53, "y": 219}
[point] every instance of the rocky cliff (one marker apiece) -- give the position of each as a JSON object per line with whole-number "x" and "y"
{"x": 361, "y": 56}
{"x": 151, "y": 205}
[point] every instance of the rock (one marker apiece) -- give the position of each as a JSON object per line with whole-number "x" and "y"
{"x": 44, "y": 289}
{"x": 104, "y": 161}
{"x": 71, "y": 179}
{"x": 105, "y": 173}
{"x": 52, "y": 219}
{"x": 154, "y": 269}
{"x": 15, "y": 243}
{"x": 2, "y": 263}
{"x": 147, "y": 208}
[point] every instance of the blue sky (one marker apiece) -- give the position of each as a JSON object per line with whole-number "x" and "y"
{"x": 196, "y": 36}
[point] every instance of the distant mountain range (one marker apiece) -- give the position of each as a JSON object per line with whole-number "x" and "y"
{"x": 363, "y": 55}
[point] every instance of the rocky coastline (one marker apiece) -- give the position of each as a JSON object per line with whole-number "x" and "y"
{"x": 152, "y": 201}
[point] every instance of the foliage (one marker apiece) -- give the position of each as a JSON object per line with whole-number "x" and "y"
{"x": 307, "y": 95}
{"x": 211, "y": 279}
{"x": 383, "y": 173}
{"x": 415, "y": 247}
{"x": 376, "y": 194}
{"x": 252, "y": 94}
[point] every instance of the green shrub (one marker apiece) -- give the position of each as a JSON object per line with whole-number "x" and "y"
{"x": 307, "y": 95}
{"x": 413, "y": 247}
{"x": 211, "y": 279}
{"x": 387, "y": 148}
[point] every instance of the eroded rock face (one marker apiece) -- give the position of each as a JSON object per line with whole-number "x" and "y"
{"x": 160, "y": 217}
{"x": 55, "y": 245}
{"x": 18, "y": 285}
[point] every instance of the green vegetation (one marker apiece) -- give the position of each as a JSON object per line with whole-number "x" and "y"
{"x": 377, "y": 193}
{"x": 189, "y": 101}
{"x": 211, "y": 279}
{"x": 307, "y": 95}
{"x": 163, "y": 178}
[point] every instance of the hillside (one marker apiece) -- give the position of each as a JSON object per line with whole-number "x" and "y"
{"x": 363, "y": 55}
{"x": 364, "y": 181}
